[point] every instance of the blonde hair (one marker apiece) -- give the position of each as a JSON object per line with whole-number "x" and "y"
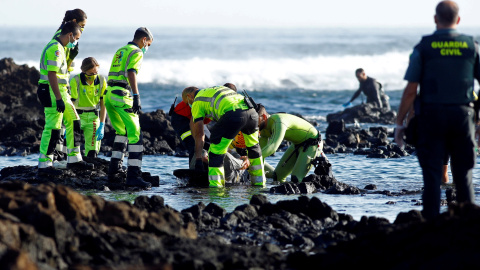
{"x": 188, "y": 90}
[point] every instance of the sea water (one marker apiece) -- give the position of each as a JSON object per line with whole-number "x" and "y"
{"x": 305, "y": 71}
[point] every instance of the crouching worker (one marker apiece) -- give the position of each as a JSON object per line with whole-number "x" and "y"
{"x": 305, "y": 138}
{"x": 231, "y": 114}
{"x": 87, "y": 90}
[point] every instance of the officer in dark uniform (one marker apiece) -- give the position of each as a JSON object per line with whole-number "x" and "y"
{"x": 444, "y": 65}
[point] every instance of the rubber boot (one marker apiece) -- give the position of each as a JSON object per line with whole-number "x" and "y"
{"x": 116, "y": 171}
{"x": 81, "y": 165}
{"x": 134, "y": 178}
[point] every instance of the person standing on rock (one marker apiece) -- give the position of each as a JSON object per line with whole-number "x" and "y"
{"x": 80, "y": 17}
{"x": 232, "y": 114}
{"x": 122, "y": 100}
{"x": 53, "y": 94}
{"x": 371, "y": 89}
{"x": 87, "y": 90}
{"x": 444, "y": 65}
{"x": 305, "y": 138}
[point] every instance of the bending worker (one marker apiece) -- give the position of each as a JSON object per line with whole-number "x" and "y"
{"x": 181, "y": 115}
{"x": 53, "y": 94}
{"x": 305, "y": 138}
{"x": 87, "y": 90}
{"x": 123, "y": 108}
{"x": 372, "y": 89}
{"x": 231, "y": 114}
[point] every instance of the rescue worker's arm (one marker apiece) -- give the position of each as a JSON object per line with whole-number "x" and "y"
{"x": 406, "y": 103}
{"x": 52, "y": 79}
{"x": 103, "y": 111}
{"x": 199, "y": 136}
{"x": 132, "y": 79}
{"x": 73, "y": 89}
{"x": 275, "y": 139}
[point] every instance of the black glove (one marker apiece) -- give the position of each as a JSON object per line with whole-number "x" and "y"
{"x": 199, "y": 165}
{"x": 137, "y": 105}
{"x": 73, "y": 52}
{"x": 60, "y": 106}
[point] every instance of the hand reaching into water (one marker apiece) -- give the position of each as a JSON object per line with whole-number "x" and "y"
{"x": 246, "y": 162}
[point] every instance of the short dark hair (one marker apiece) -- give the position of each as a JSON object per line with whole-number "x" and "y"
{"x": 75, "y": 14}
{"x": 141, "y": 33}
{"x": 359, "y": 70}
{"x": 447, "y": 12}
{"x": 71, "y": 27}
{"x": 231, "y": 86}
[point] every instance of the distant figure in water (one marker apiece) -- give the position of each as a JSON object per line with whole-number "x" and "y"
{"x": 371, "y": 89}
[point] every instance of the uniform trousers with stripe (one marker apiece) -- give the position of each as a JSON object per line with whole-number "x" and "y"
{"x": 128, "y": 134}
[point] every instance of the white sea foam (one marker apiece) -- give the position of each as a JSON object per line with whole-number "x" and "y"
{"x": 312, "y": 73}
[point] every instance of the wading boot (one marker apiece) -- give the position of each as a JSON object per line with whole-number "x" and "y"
{"x": 116, "y": 172}
{"x": 49, "y": 171}
{"x": 134, "y": 179}
{"x": 81, "y": 165}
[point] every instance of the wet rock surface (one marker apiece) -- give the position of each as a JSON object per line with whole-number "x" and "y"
{"x": 364, "y": 113}
{"x": 75, "y": 178}
{"x": 50, "y": 226}
{"x": 22, "y": 118}
{"x": 374, "y": 142}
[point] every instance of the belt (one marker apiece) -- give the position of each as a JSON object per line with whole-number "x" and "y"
{"x": 119, "y": 84}
{"x": 86, "y": 111}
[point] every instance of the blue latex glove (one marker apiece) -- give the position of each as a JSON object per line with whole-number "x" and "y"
{"x": 348, "y": 104}
{"x": 100, "y": 131}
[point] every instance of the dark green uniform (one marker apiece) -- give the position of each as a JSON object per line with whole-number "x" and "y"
{"x": 445, "y": 65}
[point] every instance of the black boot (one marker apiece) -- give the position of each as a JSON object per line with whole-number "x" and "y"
{"x": 49, "y": 171}
{"x": 116, "y": 172}
{"x": 81, "y": 165}
{"x": 134, "y": 178}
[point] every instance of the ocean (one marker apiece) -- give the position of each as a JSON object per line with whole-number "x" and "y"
{"x": 306, "y": 71}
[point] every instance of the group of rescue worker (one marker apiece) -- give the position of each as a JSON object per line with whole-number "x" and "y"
{"x": 242, "y": 135}
{"x": 82, "y": 102}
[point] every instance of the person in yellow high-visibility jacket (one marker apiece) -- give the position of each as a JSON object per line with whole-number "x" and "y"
{"x": 53, "y": 94}
{"x": 232, "y": 115}
{"x": 122, "y": 100}
{"x": 87, "y": 89}
{"x": 80, "y": 17}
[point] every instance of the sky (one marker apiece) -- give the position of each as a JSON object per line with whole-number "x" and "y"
{"x": 235, "y": 14}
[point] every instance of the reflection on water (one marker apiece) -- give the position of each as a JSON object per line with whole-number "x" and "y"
{"x": 387, "y": 174}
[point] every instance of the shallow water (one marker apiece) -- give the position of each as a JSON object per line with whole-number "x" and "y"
{"x": 387, "y": 174}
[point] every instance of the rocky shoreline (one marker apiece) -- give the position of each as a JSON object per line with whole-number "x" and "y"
{"x": 50, "y": 226}
{"x": 22, "y": 118}
{"x": 46, "y": 224}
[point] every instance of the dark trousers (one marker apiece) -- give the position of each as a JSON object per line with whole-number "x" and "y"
{"x": 228, "y": 127}
{"x": 181, "y": 124}
{"x": 446, "y": 129}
